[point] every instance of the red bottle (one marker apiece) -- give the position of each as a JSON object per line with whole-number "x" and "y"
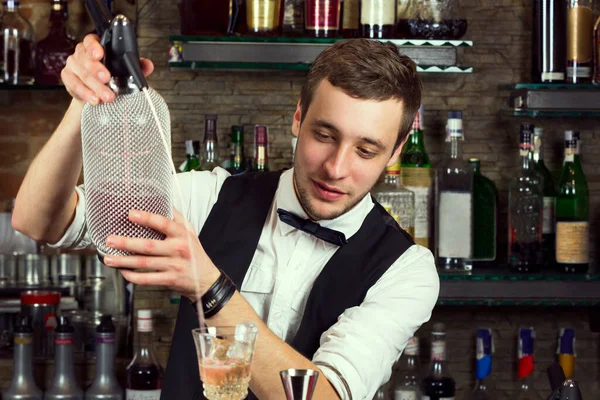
{"x": 53, "y": 51}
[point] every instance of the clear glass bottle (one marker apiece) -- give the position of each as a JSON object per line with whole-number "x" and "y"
{"x": 438, "y": 384}
{"x": 52, "y": 51}
{"x": 417, "y": 177}
{"x": 485, "y": 200}
{"x": 398, "y": 201}
{"x": 192, "y": 160}
{"x": 408, "y": 373}
{"x": 525, "y": 211}
{"x": 525, "y": 390}
{"x": 579, "y": 41}
{"x": 548, "y": 234}
{"x": 210, "y": 152}
{"x": 144, "y": 373}
{"x": 17, "y": 45}
{"x": 454, "y": 195}
{"x": 485, "y": 347}
{"x": 572, "y": 212}
{"x": 261, "y": 148}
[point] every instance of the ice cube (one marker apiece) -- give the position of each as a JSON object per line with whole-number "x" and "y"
{"x": 219, "y": 349}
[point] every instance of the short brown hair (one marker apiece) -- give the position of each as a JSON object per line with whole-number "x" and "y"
{"x": 369, "y": 70}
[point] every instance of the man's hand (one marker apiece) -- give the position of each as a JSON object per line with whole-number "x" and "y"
{"x": 178, "y": 262}
{"x": 85, "y": 76}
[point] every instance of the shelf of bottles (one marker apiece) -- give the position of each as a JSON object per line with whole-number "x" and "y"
{"x": 297, "y": 54}
{"x": 554, "y": 100}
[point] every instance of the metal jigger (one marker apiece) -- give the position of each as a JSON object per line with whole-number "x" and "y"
{"x": 299, "y": 384}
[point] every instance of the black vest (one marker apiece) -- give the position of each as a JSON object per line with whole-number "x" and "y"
{"x": 236, "y": 222}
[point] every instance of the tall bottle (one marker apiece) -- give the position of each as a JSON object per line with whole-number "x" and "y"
{"x": 293, "y": 17}
{"x": 566, "y": 351}
{"x": 483, "y": 389}
{"x": 579, "y": 41}
{"x": 548, "y": 234}
{"x": 397, "y": 201}
{"x": 549, "y": 41}
{"x": 105, "y": 385}
{"x": 417, "y": 177}
{"x": 378, "y": 18}
{"x": 64, "y": 384}
{"x": 52, "y": 52}
{"x": 485, "y": 200}
{"x": 526, "y": 365}
{"x": 572, "y": 212}
{"x": 22, "y": 385}
{"x": 17, "y": 61}
{"x": 525, "y": 211}
{"x": 192, "y": 159}
{"x": 210, "y": 151}
{"x": 350, "y": 24}
{"x": 262, "y": 17}
{"x": 144, "y": 373}
{"x": 238, "y": 158}
{"x": 322, "y": 18}
{"x": 438, "y": 384}
{"x": 261, "y": 148}
{"x": 454, "y": 197}
{"x": 406, "y": 386}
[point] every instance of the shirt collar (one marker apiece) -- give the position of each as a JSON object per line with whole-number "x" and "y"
{"x": 348, "y": 223}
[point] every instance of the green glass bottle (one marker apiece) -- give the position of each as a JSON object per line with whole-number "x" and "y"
{"x": 485, "y": 200}
{"x": 572, "y": 212}
{"x": 549, "y": 188}
{"x": 238, "y": 159}
{"x": 416, "y": 176}
{"x": 192, "y": 161}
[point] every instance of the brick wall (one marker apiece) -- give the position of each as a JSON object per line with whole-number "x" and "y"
{"x": 500, "y": 56}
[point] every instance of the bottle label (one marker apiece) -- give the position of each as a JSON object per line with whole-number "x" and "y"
{"x": 455, "y": 213}
{"x": 23, "y": 340}
{"x": 144, "y": 324}
{"x": 263, "y": 14}
{"x": 351, "y": 10}
{"x": 394, "y": 169}
{"x": 403, "y": 219}
{"x": 572, "y": 242}
{"x": 438, "y": 350}
{"x": 421, "y": 214}
{"x": 142, "y": 394}
{"x": 400, "y": 394}
{"x": 105, "y": 340}
{"x": 378, "y": 12}
{"x": 553, "y": 76}
{"x": 322, "y": 15}
{"x": 412, "y": 347}
{"x": 548, "y": 215}
{"x": 580, "y": 72}
{"x": 63, "y": 341}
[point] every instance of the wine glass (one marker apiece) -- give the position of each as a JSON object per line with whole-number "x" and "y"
{"x": 224, "y": 358}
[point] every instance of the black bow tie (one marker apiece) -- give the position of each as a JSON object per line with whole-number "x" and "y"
{"x": 308, "y": 226}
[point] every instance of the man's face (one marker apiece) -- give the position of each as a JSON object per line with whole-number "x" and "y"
{"x": 343, "y": 146}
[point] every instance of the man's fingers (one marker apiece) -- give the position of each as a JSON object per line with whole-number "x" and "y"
{"x": 147, "y": 66}
{"x": 148, "y": 278}
{"x": 139, "y": 246}
{"x": 157, "y": 222}
{"x": 138, "y": 262}
{"x": 77, "y": 89}
{"x": 92, "y": 46}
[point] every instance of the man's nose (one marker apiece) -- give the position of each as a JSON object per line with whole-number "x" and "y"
{"x": 337, "y": 164}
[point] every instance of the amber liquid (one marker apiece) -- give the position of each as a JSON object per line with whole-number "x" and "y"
{"x": 227, "y": 379}
{"x": 579, "y": 44}
{"x": 206, "y": 17}
{"x": 262, "y": 17}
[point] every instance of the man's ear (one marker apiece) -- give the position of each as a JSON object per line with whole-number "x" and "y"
{"x": 297, "y": 119}
{"x": 396, "y": 153}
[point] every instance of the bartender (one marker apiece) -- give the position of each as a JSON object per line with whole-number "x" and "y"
{"x": 330, "y": 279}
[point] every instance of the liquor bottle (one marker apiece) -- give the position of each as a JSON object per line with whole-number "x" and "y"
{"x": 261, "y": 148}
{"x": 454, "y": 194}
{"x": 105, "y": 385}
{"x": 548, "y": 235}
{"x": 525, "y": 211}
{"x": 485, "y": 200}
{"x": 238, "y": 164}
{"x": 572, "y": 208}
{"x": 208, "y": 17}
{"x": 17, "y": 39}
{"x": 52, "y": 52}
{"x": 549, "y": 45}
{"x": 438, "y": 384}
{"x": 262, "y": 17}
{"x": 396, "y": 200}
{"x": 144, "y": 373}
{"x": 293, "y": 18}
{"x": 485, "y": 347}
{"x": 64, "y": 384}
{"x": 351, "y": 18}
{"x": 526, "y": 365}
{"x": 416, "y": 176}
{"x": 210, "y": 152}
{"x": 566, "y": 351}
{"x": 579, "y": 41}
{"x": 408, "y": 373}
{"x": 378, "y": 18}
{"x": 22, "y": 385}
{"x": 322, "y": 17}
{"x": 192, "y": 161}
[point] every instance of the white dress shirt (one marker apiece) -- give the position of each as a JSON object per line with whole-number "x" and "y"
{"x": 356, "y": 354}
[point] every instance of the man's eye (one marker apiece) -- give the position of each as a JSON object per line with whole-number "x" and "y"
{"x": 322, "y": 136}
{"x": 366, "y": 153}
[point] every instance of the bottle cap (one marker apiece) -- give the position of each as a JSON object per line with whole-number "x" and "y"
{"x": 261, "y": 134}
{"x": 106, "y": 325}
{"x": 63, "y": 325}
